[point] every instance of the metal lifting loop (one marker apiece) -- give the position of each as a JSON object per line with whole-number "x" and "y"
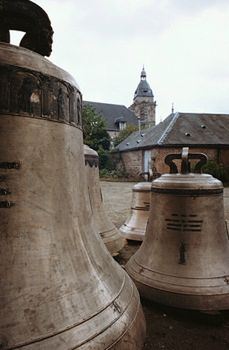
{"x": 185, "y": 165}
{"x": 185, "y": 161}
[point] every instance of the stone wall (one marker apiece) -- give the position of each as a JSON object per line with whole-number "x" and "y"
{"x": 133, "y": 160}
{"x": 224, "y": 157}
{"x": 145, "y": 109}
{"x": 163, "y": 152}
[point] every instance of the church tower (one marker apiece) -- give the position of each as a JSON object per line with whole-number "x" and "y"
{"x": 144, "y": 105}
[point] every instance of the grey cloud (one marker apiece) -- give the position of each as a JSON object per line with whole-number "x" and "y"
{"x": 102, "y": 42}
{"x": 115, "y": 21}
{"x": 194, "y": 6}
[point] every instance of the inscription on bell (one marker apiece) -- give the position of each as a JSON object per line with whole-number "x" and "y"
{"x": 4, "y": 192}
{"x": 10, "y": 165}
{"x": 6, "y": 204}
{"x": 183, "y": 222}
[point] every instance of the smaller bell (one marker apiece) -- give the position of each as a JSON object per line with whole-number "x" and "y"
{"x": 103, "y": 225}
{"x": 135, "y": 226}
{"x": 184, "y": 258}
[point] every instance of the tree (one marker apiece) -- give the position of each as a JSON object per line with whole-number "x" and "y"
{"x": 94, "y": 130}
{"x": 124, "y": 134}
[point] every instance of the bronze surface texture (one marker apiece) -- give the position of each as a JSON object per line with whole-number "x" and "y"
{"x": 28, "y": 17}
{"x": 59, "y": 287}
{"x": 102, "y": 223}
{"x": 134, "y": 227}
{"x": 184, "y": 258}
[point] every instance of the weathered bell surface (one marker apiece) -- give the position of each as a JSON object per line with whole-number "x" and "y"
{"x": 134, "y": 227}
{"x": 184, "y": 258}
{"x": 102, "y": 223}
{"x": 59, "y": 288}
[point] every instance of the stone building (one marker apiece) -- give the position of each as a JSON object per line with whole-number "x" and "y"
{"x": 207, "y": 133}
{"x": 144, "y": 106}
{"x": 141, "y": 113}
{"x": 117, "y": 117}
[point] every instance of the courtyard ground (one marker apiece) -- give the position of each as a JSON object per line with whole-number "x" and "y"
{"x": 168, "y": 328}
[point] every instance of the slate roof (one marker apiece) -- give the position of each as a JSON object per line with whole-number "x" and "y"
{"x": 182, "y": 129}
{"x": 113, "y": 113}
{"x": 143, "y": 88}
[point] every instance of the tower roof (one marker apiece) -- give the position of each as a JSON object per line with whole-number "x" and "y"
{"x": 143, "y": 89}
{"x": 143, "y": 73}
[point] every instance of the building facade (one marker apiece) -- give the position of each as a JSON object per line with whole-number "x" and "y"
{"x": 116, "y": 117}
{"x": 206, "y": 133}
{"x": 144, "y": 106}
{"x": 141, "y": 113}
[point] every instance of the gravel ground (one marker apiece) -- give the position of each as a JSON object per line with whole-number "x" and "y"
{"x": 168, "y": 328}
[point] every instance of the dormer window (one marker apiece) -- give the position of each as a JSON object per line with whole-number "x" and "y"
{"x": 122, "y": 125}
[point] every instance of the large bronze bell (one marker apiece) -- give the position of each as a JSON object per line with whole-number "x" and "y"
{"x": 134, "y": 227}
{"x": 59, "y": 288}
{"x": 102, "y": 223}
{"x": 184, "y": 258}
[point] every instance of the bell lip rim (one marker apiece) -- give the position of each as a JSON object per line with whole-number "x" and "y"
{"x": 132, "y": 264}
{"x": 131, "y": 310}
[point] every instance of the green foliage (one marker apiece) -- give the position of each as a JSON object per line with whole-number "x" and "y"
{"x": 219, "y": 171}
{"x": 103, "y": 157}
{"x": 113, "y": 174}
{"x": 94, "y": 130}
{"x": 124, "y": 134}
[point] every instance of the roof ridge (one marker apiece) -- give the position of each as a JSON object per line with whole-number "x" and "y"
{"x": 168, "y": 129}
{"x": 106, "y": 103}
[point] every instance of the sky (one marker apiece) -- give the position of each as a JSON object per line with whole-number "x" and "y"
{"x": 183, "y": 45}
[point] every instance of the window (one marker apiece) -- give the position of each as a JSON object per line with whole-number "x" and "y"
{"x": 122, "y": 125}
